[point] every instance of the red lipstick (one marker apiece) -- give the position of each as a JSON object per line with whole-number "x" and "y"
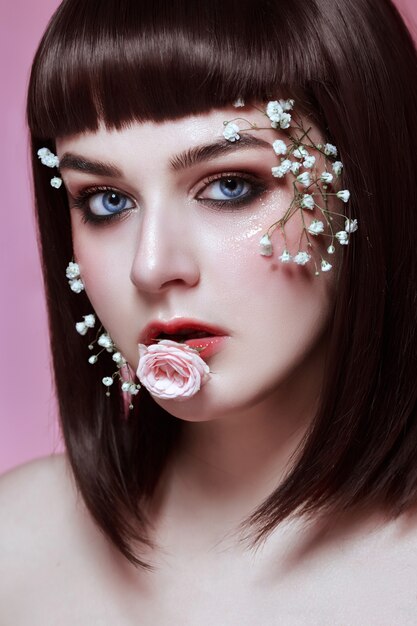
{"x": 194, "y": 333}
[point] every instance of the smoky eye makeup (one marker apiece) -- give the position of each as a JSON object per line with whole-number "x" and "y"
{"x": 101, "y": 204}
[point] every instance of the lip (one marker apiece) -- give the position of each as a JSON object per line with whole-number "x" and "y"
{"x": 175, "y": 326}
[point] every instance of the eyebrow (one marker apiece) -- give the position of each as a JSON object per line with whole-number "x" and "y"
{"x": 183, "y": 160}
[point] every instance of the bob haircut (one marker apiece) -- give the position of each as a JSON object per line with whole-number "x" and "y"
{"x": 352, "y": 65}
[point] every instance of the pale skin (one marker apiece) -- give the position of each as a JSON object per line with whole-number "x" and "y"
{"x": 174, "y": 254}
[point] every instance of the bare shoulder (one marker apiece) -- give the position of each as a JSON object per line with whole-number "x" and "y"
{"x": 39, "y": 514}
{"x": 29, "y": 491}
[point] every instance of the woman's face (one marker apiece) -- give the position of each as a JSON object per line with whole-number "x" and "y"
{"x": 166, "y": 223}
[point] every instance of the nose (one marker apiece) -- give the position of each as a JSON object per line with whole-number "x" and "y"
{"x": 166, "y": 252}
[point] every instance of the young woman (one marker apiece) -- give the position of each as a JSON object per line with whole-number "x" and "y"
{"x": 225, "y": 194}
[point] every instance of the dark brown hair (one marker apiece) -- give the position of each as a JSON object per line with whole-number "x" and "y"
{"x": 352, "y": 65}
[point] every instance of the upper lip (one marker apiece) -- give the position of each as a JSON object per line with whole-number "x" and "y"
{"x": 175, "y": 326}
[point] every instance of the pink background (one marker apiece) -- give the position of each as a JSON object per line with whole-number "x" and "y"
{"x": 28, "y": 426}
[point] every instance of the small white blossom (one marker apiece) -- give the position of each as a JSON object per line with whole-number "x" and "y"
{"x": 301, "y": 153}
{"x": 304, "y": 179}
{"x": 307, "y": 202}
{"x": 301, "y": 258}
{"x": 285, "y": 121}
{"x": 231, "y": 132}
{"x": 81, "y": 328}
{"x": 342, "y": 237}
{"x": 118, "y": 359}
{"x": 325, "y": 266}
{"x": 239, "y": 103}
{"x": 56, "y": 182}
{"x": 265, "y": 245}
{"x": 330, "y": 150}
{"x": 134, "y": 389}
{"x": 279, "y": 147}
{"x": 351, "y": 226}
{"x": 280, "y": 170}
{"x": 93, "y": 359}
{"x": 105, "y": 341}
{"x": 89, "y": 320}
{"x": 73, "y": 270}
{"x": 316, "y": 227}
{"x": 285, "y": 257}
{"x": 43, "y": 152}
{"x": 326, "y": 177}
{"x": 126, "y": 385}
{"x": 107, "y": 381}
{"x": 76, "y": 285}
{"x": 295, "y": 168}
{"x": 343, "y": 195}
{"x": 274, "y": 111}
{"x": 337, "y": 167}
{"x": 309, "y": 162}
{"x": 331, "y": 249}
{"x": 287, "y": 105}
{"x": 50, "y": 160}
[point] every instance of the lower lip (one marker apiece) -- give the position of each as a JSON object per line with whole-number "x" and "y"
{"x": 211, "y": 345}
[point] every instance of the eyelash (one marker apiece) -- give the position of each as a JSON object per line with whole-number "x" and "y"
{"x": 257, "y": 188}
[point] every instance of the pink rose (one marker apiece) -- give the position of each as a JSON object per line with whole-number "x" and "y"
{"x": 171, "y": 370}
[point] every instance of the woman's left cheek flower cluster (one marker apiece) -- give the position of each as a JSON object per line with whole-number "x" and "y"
{"x": 171, "y": 370}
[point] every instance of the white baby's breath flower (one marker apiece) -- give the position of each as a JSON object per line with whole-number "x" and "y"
{"x": 56, "y": 182}
{"x": 309, "y": 161}
{"x": 274, "y": 111}
{"x": 93, "y": 359}
{"x": 89, "y": 320}
{"x": 76, "y": 285}
{"x": 307, "y": 202}
{"x": 50, "y": 160}
{"x": 279, "y": 147}
{"x": 326, "y": 177}
{"x": 295, "y": 168}
{"x": 133, "y": 389}
{"x": 330, "y": 150}
{"x": 342, "y": 237}
{"x": 337, "y": 167}
{"x": 285, "y": 257}
{"x": 287, "y": 105}
{"x": 265, "y": 246}
{"x": 301, "y": 152}
{"x": 325, "y": 266}
{"x": 43, "y": 152}
{"x": 73, "y": 270}
{"x": 107, "y": 381}
{"x": 351, "y": 226}
{"x": 281, "y": 170}
{"x": 105, "y": 341}
{"x": 231, "y": 132}
{"x": 239, "y": 103}
{"x": 285, "y": 121}
{"x": 304, "y": 179}
{"x": 301, "y": 258}
{"x": 316, "y": 227}
{"x": 343, "y": 195}
{"x": 119, "y": 359}
{"x": 81, "y": 328}
{"x": 331, "y": 249}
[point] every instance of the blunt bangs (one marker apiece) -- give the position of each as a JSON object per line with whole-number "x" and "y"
{"x": 152, "y": 60}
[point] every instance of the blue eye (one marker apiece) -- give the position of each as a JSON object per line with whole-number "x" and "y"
{"x": 109, "y": 202}
{"x": 226, "y": 188}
